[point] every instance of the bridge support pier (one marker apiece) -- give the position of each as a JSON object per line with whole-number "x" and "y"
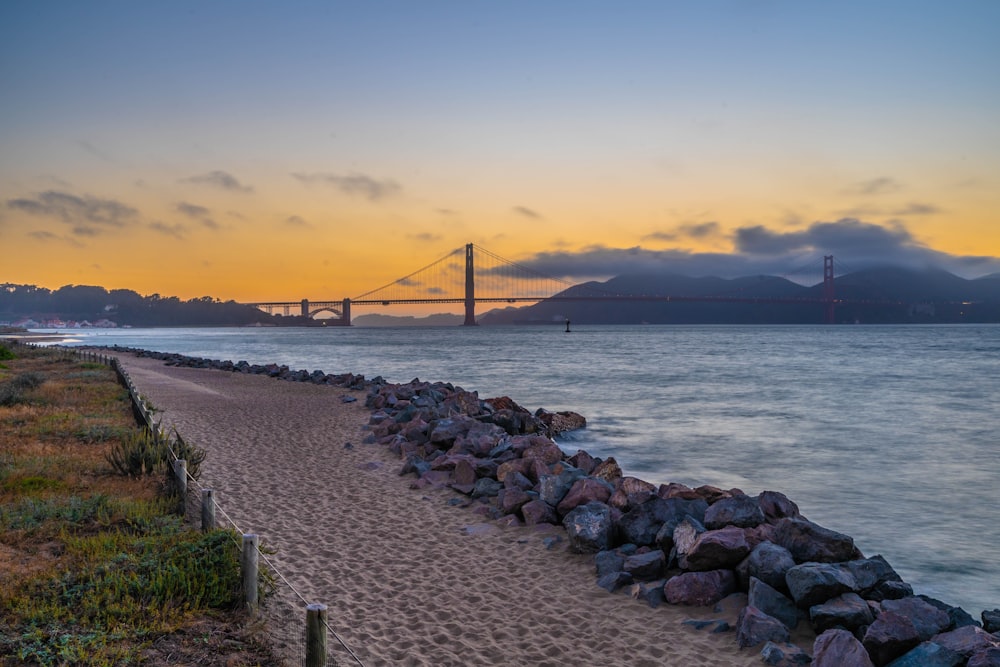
{"x": 470, "y": 288}
{"x": 345, "y": 313}
{"x": 829, "y": 316}
{"x": 305, "y": 308}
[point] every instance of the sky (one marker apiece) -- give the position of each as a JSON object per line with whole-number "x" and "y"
{"x": 276, "y": 151}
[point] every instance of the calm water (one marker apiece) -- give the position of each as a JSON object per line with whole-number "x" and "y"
{"x": 889, "y": 434}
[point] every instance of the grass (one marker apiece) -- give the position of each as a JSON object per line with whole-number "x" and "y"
{"x": 96, "y": 568}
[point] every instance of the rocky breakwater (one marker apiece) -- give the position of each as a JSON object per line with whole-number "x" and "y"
{"x": 674, "y": 544}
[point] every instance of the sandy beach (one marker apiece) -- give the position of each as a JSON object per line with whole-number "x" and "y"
{"x": 408, "y": 578}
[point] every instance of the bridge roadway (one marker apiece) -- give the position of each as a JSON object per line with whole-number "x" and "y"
{"x": 342, "y": 309}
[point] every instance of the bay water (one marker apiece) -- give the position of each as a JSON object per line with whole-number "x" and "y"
{"x": 890, "y": 434}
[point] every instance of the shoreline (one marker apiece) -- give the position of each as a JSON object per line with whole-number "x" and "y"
{"x": 305, "y": 379}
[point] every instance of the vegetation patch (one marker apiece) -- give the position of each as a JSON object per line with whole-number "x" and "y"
{"x": 96, "y": 567}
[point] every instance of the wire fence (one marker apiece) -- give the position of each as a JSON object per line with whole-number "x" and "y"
{"x": 312, "y": 643}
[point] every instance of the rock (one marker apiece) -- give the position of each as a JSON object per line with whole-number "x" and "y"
{"x": 560, "y": 422}
{"x": 684, "y": 536}
{"x": 465, "y": 474}
{"x": 776, "y": 505}
{"x": 754, "y": 627}
{"x": 927, "y": 619}
{"x": 991, "y": 620}
{"x": 989, "y": 657}
{"x": 589, "y": 528}
{"x": 784, "y": 655}
{"x": 770, "y": 563}
{"x": 890, "y": 636}
{"x": 700, "y": 589}
{"x": 811, "y": 543}
{"x": 846, "y": 611}
{"x": 537, "y": 511}
{"x": 814, "y": 583}
{"x": 716, "y": 549}
{"x": 869, "y": 575}
{"x": 928, "y": 654}
{"x": 582, "y": 461}
{"x": 646, "y": 566}
{"x": 553, "y": 488}
{"x": 510, "y": 500}
{"x": 547, "y": 452}
{"x": 612, "y": 581}
{"x": 967, "y": 640}
{"x": 584, "y": 490}
{"x": 641, "y": 525}
{"x": 740, "y": 510}
{"x": 486, "y": 488}
{"x": 608, "y": 470}
{"x": 959, "y": 617}
{"x": 649, "y": 591}
{"x": 608, "y": 561}
{"x": 772, "y": 603}
{"x": 444, "y": 431}
{"x": 839, "y": 648}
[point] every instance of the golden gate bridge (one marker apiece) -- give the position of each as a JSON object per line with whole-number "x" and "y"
{"x": 471, "y": 275}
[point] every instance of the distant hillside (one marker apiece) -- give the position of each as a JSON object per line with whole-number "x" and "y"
{"x": 884, "y": 295}
{"x": 79, "y": 303}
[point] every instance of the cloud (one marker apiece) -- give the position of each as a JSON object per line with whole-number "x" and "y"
{"x": 43, "y": 235}
{"x": 219, "y": 179}
{"x": 48, "y": 237}
{"x": 296, "y": 221}
{"x": 87, "y": 215}
{"x": 95, "y": 151}
{"x": 758, "y": 250}
{"x": 700, "y": 230}
{"x": 527, "y": 212}
{"x": 355, "y": 184}
{"x": 199, "y": 213}
{"x": 177, "y": 230}
{"x": 914, "y": 208}
{"x": 875, "y": 186}
{"x": 425, "y": 237}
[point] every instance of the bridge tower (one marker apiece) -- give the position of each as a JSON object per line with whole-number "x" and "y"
{"x": 345, "y": 313}
{"x": 828, "y": 298}
{"x": 305, "y": 308}
{"x": 470, "y": 288}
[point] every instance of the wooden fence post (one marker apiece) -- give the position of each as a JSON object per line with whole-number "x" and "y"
{"x": 180, "y": 471}
{"x": 316, "y": 635}
{"x": 207, "y": 509}
{"x": 249, "y": 564}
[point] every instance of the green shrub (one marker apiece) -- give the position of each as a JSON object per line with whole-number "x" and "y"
{"x": 14, "y": 391}
{"x": 140, "y": 453}
{"x": 5, "y": 353}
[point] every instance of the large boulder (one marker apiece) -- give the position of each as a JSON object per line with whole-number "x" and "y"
{"x": 716, "y": 550}
{"x": 772, "y": 603}
{"x": 608, "y": 561}
{"x": 991, "y": 620}
{"x": 754, "y": 627}
{"x": 814, "y": 583}
{"x": 810, "y": 542}
{"x": 871, "y": 576}
{"x": 846, "y": 611}
{"x": 839, "y": 648}
{"x": 608, "y": 470}
{"x": 784, "y": 655}
{"x": 988, "y": 657}
{"x": 889, "y": 637}
{"x": 927, "y": 619}
{"x": 768, "y": 562}
{"x": 967, "y": 640}
{"x": 642, "y": 524}
{"x": 928, "y": 654}
{"x": 589, "y": 528}
{"x": 739, "y": 510}
{"x": 584, "y": 490}
{"x": 700, "y": 589}
{"x": 645, "y": 566}
{"x": 553, "y": 488}
{"x": 776, "y": 505}
{"x": 683, "y": 537}
{"x": 537, "y": 511}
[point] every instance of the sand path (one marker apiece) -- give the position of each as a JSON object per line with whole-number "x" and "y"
{"x": 408, "y": 579}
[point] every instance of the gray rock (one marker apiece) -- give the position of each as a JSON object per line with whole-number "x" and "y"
{"x": 486, "y": 488}
{"x": 991, "y": 620}
{"x": 869, "y": 574}
{"x": 926, "y": 618}
{"x": 589, "y": 528}
{"x": 536, "y": 512}
{"x": 585, "y": 490}
{"x": 553, "y": 488}
{"x": 646, "y": 566}
{"x": 649, "y": 591}
{"x": 608, "y": 561}
{"x": 928, "y": 654}
{"x": 846, "y": 611}
{"x": 989, "y": 657}
{"x": 738, "y": 510}
{"x": 784, "y": 655}
{"x": 773, "y": 603}
{"x": 770, "y": 563}
{"x": 754, "y": 627}
{"x": 814, "y": 583}
{"x": 776, "y": 505}
{"x": 967, "y": 640}
{"x": 613, "y": 581}
{"x": 642, "y": 524}
{"x": 809, "y": 542}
